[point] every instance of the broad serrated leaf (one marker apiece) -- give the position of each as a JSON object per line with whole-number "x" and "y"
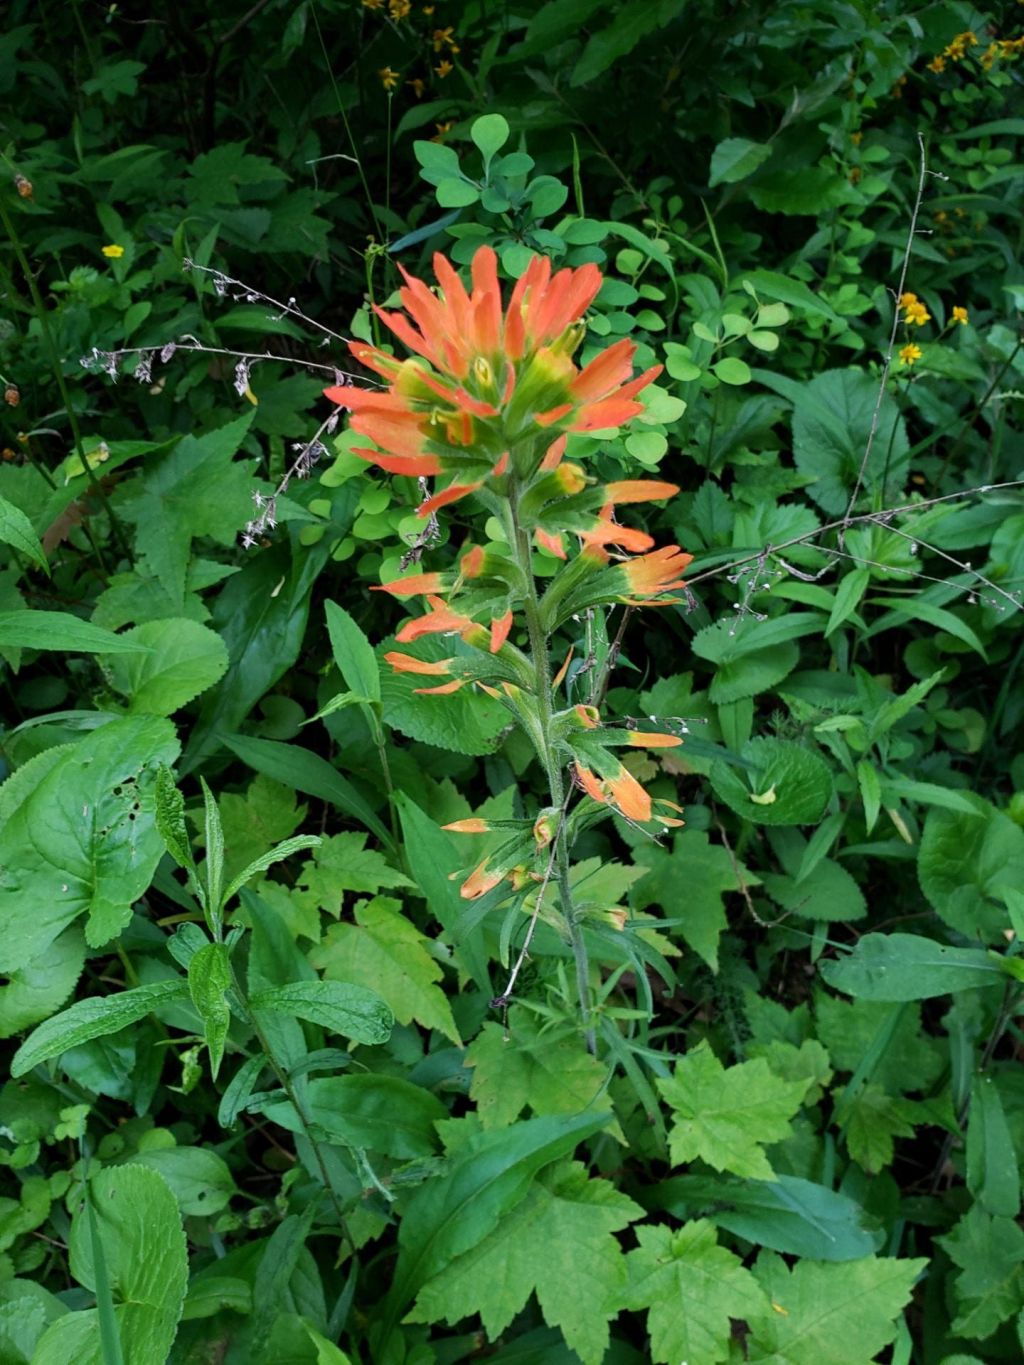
{"x": 380, "y": 1113}
{"x": 962, "y": 863}
{"x": 547, "y": 1073}
{"x": 382, "y": 946}
{"x": 688, "y": 883}
{"x": 353, "y": 1011}
{"x": 196, "y": 489}
{"x": 16, "y": 530}
{"x": 183, "y": 659}
{"x": 726, "y": 1116}
{"x": 692, "y": 1289}
{"x": 784, "y": 784}
{"x": 466, "y": 722}
{"x": 832, "y": 418}
{"x": 143, "y": 1246}
{"x": 34, "y": 991}
{"x": 343, "y": 863}
{"x": 990, "y": 1287}
{"x": 844, "y": 1313}
{"x": 488, "y": 1176}
{"x": 96, "y": 1017}
{"x": 84, "y": 841}
{"x": 559, "y": 1244}
{"x": 199, "y": 1178}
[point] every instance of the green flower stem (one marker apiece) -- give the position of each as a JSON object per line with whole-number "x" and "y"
{"x": 284, "y": 1081}
{"x": 519, "y": 539}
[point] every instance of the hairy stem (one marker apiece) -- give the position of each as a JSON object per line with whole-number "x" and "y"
{"x": 520, "y": 540}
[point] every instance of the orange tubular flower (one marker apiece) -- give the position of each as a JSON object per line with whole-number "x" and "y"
{"x": 657, "y": 572}
{"x": 622, "y": 791}
{"x": 484, "y": 379}
{"x": 440, "y": 620}
{"x": 406, "y": 663}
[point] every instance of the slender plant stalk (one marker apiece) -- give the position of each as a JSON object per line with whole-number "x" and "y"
{"x": 284, "y": 1081}
{"x": 556, "y": 783}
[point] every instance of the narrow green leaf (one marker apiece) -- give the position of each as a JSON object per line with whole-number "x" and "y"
{"x": 239, "y": 1090}
{"x": 993, "y": 1176}
{"x": 353, "y": 653}
{"x": 209, "y": 978}
{"x": 352, "y": 1011}
{"x": 96, "y": 1017}
{"x": 848, "y": 594}
{"x": 214, "y": 864}
{"x": 904, "y": 610}
{"x": 275, "y": 855}
{"x": 169, "y": 814}
{"x": 61, "y": 631}
{"x": 306, "y": 772}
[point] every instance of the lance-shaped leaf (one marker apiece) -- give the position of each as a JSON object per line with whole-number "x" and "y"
{"x": 97, "y": 1017}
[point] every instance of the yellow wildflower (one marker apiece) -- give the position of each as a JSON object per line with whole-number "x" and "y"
{"x": 938, "y": 65}
{"x": 388, "y": 78}
{"x": 113, "y": 251}
{"x": 417, "y": 87}
{"x": 444, "y": 68}
{"x": 372, "y": 4}
{"x": 443, "y": 37}
{"x": 910, "y": 354}
{"x": 961, "y": 315}
{"x": 399, "y": 9}
{"x": 989, "y": 56}
{"x": 856, "y": 138}
{"x": 906, "y": 300}
{"x": 443, "y": 128}
{"x": 916, "y": 314}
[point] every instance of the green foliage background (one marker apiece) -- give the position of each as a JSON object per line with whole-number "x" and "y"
{"x": 303, "y": 1133}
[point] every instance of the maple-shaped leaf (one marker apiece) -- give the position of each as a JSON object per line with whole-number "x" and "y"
{"x": 383, "y": 947}
{"x": 557, "y": 1243}
{"x": 689, "y": 882}
{"x": 911, "y": 1060}
{"x": 726, "y": 1116}
{"x": 343, "y": 863}
{"x": 266, "y": 815}
{"x": 842, "y": 1312}
{"x": 873, "y": 1120}
{"x": 691, "y": 1288}
{"x": 990, "y": 1286}
{"x": 197, "y": 489}
{"x": 546, "y": 1072}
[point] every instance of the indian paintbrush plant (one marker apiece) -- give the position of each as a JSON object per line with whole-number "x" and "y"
{"x": 486, "y": 405}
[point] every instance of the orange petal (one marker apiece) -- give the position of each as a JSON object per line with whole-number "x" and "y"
{"x": 628, "y": 795}
{"x": 552, "y": 542}
{"x": 639, "y": 490}
{"x": 407, "y": 663}
{"x": 452, "y": 493}
{"x": 546, "y": 419}
{"x": 554, "y": 454}
{"x": 590, "y": 783}
{"x": 565, "y": 666}
{"x": 642, "y": 739}
{"x": 411, "y": 585}
{"x": 472, "y": 826}
{"x": 479, "y": 882}
{"x": 500, "y": 628}
{"x": 442, "y": 690}
{"x": 415, "y": 466}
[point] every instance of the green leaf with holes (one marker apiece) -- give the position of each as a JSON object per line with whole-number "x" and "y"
{"x": 84, "y": 841}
